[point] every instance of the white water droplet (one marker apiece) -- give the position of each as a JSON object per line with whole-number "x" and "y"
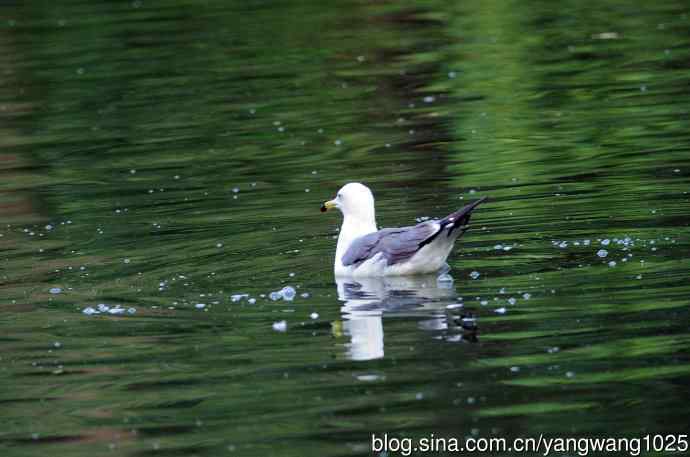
{"x": 280, "y": 326}
{"x": 288, "y": 293}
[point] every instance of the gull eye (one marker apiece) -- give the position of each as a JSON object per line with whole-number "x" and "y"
{"x": 340, "y": 196}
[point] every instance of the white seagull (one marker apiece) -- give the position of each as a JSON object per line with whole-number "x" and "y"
{"x": 364, "y": 250}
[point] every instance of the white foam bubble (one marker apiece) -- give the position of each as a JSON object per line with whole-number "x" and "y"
{"x": 280, "y": 326}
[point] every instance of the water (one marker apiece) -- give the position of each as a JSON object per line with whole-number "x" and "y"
{"x": 156, "y": 156}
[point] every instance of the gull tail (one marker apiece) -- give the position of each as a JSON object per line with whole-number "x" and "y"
{"x": 457, "y": 220}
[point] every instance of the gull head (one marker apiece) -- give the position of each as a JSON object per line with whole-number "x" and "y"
{"x": 354, "y": 200}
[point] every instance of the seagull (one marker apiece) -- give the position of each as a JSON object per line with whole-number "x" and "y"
{"x": 365, "y": 251}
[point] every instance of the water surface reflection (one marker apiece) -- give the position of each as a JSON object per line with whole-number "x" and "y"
{"x": 367, "y": 300}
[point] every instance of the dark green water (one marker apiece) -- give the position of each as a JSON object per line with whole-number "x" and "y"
{"x": 157, "y": 155}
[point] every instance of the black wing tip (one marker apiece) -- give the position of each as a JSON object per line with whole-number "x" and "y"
{"x": 465, "y": 210}
{"x": 459, "y": 219}
{"x": 479, "y": 201}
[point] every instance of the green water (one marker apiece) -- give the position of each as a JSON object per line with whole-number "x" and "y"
{"x": 161, "y": 155}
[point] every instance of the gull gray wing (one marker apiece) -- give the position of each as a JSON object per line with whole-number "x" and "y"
{"x": 399, "y": 244}
{"x": 396, "y": 245}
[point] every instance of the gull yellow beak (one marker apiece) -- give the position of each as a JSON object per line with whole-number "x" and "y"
{"x": 330, "y": 204}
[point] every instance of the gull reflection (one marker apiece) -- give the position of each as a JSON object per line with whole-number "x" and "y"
{"x": 367, "y": 300}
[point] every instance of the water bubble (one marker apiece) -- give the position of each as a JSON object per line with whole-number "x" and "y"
{"x": 474, "y": 275}
{"x": 612, "y": 263}
{"x": 337, "y": 142}
{"x": 314, "y": 316}
{"x": 275, "y": 296}
{"x": 602, "y": 253}
{"x": 57, "y": 345}
{"x": 237, "y": 297}
{"x": 131, "y": 310}
{"x": 126, "y": 260}
{"x": 369, "y": 377}
{"x": 429, "y": 99}
{"x": 444, "y": 279}
{"x": 200, "y": 305}
{"x": 605, "y": 242}
{"x": 251, "y": 301}
{"x": 116, "y": 310}
{"x": 452, "y": 74}
{"x": 89, "y": 311}
{"x": 512, "y": 300}
{"x": 501, "y": 310}
{"x": 280, "y": 326}
{"x": 55, "y": 290}
{"x": 526, "y": 295}
{"x": 288, "y": 293}
{"x": 103, "y": 308}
